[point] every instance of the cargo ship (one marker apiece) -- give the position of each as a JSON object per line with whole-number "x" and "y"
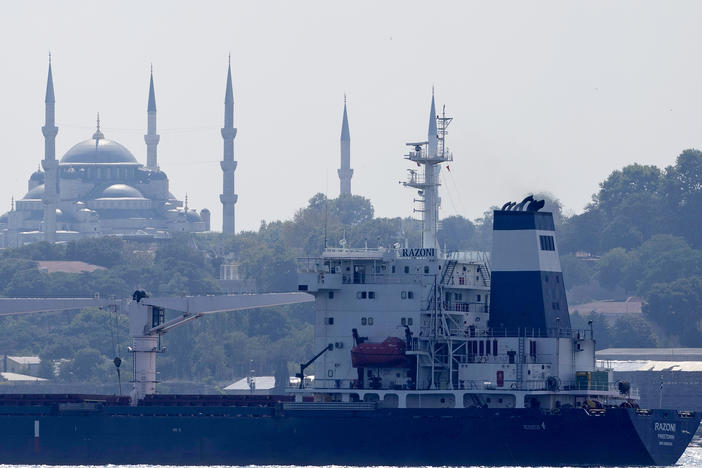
{"x": 426, "y": 357}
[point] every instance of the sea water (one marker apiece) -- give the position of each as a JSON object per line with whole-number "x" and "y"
{"x": 691, "y": 458}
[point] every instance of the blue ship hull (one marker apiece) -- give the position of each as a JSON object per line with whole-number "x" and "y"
{"x": 269, "y": 434}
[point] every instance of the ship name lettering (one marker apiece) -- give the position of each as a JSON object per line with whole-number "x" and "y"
{"x": 667, "y": 427}
{"x": 418, "y": 252}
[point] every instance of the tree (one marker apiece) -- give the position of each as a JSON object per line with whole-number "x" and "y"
{"x": 104, "y": 251}
{"x": 632, "y": 332}
{"x": 456, "y": 233}
{"x": 677, "y": 308}
{"x": 683, "y": 195}
{"x": 353, "y": 209}
{"x": 616, "y": 268}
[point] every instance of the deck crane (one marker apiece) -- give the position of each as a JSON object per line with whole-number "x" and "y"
{"x": 146, "y": 317}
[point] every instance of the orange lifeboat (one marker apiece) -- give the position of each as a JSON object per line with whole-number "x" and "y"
{"x": 389, "y": 353}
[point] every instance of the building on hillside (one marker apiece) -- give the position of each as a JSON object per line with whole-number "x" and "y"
{"x": 19, "y": 378}
{"x": 232, "y": 283}
{"x": 21, "y": 364}
{"x": 611, "y": 310}
{"x": 67, "y": 266}
{"x": 98, "y": 187}
{"x": 666, "y": 377}
{"x": 260, "y": 385}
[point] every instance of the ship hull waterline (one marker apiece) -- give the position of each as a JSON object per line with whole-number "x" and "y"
{"x": 267, "y": 436}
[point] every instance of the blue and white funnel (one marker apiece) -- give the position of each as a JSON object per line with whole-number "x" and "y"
{"x": 527, "y": 289}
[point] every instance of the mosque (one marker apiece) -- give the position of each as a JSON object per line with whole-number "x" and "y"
{"x": 99, "y": 188}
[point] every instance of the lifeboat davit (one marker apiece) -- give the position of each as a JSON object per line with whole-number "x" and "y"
{"x": 389, "y": 353}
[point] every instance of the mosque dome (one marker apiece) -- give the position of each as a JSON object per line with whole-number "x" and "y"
{"x": 98, "y": 151}
{"x": 37, "y": 176}
{"x": 121, "y": 191}
{"x": 35, "y": 194}
{"x": 193, "y": 217}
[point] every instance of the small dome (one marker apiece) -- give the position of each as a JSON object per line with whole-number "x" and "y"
{"x": 193, "y": 217}
{"x": 121, "y": 191}
{"x": 35, "y": 194}
{"x": 37, "y": 176}
{"x": 99, "y": 151}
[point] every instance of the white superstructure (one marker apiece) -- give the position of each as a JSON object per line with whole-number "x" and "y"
{"x": 411, "y": 327}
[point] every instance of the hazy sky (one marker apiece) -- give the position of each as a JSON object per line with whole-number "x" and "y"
{"x": 546, "y": 96}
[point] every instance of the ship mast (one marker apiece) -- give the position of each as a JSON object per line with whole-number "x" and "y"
{"x": 429, "y": 155}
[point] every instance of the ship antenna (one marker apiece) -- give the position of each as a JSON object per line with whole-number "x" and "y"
{"x": 326, "y": 204}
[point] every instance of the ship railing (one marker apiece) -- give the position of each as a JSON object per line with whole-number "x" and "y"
{"x": 529, "y": 385}
{"x": 470, "y": 358}
{"x": 528, "y": 332}
{"x": 445, "y": 156}
{"x": 381, "y": 278}
{"x": 468, "y": 256}
{"x": 474, "y": 332}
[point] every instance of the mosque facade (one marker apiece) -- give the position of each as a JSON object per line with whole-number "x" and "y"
{"x": 99, "y": 188}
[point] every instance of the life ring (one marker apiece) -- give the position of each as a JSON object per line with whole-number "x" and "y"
{"x": 513, "y": 386}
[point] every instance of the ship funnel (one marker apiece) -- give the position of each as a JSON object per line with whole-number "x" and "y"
{"x": 527, "y": 288}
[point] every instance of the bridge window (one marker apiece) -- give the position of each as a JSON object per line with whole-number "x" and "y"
{"x": 410, "y": 295}
{"x": 331, "y": 294}
{"x": 426, "y": 270}
{"x": 371, "y": 294}
{"x": 547, "y": 243}
{"x": 406, "y": 269}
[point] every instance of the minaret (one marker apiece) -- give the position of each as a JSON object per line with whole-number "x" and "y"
{"x": 228, "y": 197}
{"x": 345, "y": 172}
{"x": 49, "y": 163}
{"x": 151, "y": 138}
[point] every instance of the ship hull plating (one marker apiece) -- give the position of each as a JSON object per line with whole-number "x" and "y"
{"x": 272, "y": 435}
